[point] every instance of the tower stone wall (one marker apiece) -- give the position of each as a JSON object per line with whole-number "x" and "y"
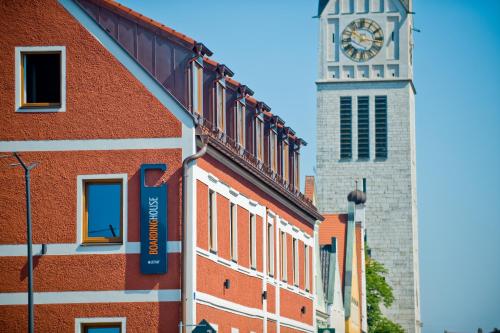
{"x": 391, "y": 208}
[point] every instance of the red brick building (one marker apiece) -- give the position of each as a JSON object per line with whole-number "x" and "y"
{"x": 96, "y": 94}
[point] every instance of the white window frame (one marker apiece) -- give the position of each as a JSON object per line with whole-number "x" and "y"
{"x": 80, "y": 188}
{"x": 197, "y": 105}
{"x": 307, "y": 285}
{"x": 270, "y": 246}
{"x": 284, "y": 268}
{"x": 99, "y": 320}
{"x": 253, "y": 241}
{"x": 220, "y": 107}
{"x": 19, "y": 51}
{"x": 295, "y": 252}
{"x": 212, "y": 221}
{"x": 233, "y": 226}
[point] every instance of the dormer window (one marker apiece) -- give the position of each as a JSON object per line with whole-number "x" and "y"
{"x": 240, "y": 123}
{"x": 296, "y": 177}
{"x": 221, "y": 105}
{"x": 259, "y": 138}
{"x": 197, "y": 88}
{"x": 286, "y": 157}
{"x": 273, "y": 149}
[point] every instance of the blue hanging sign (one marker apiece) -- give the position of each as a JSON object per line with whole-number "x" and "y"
{"x": 153, "y": 224}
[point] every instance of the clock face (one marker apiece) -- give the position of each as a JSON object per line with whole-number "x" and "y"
{"x": 362, "y": 39}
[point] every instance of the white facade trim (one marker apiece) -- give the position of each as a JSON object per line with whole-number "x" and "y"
{"x": 295, "y": 232}
{"x": 229, "y": 263}
{"x": 34, "y": 49}
{"x": 79, "y": 203}
{"x": 68, "y": 249}
{"x": 189, "y": 259}
{"x": 228, "y": 306}
{"x": 228, "y": 192}
{"x": 100, "y": 296}
{"x": 94, "y": 320}
{"x": 92, "y": 144}
{"x": 252, "y": 272}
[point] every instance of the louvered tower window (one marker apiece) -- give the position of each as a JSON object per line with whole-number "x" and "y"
{"x": 363, "y": 128}
{"x": 381, "y": 127}
{"x": 345, "y": 127}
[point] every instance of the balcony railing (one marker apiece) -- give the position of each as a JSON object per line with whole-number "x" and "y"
{"x": 238, "y": 152}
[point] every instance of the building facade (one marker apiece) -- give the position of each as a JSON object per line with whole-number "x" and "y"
{"x": 341, "y": 279}
{"x": 366, "y": 117}
{"x": 165, "y": 193}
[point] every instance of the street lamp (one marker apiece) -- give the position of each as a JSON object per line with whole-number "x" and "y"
{"x": 27, "y": 168}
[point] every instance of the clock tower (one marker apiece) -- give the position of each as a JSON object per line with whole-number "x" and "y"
{"x": 366, "y": 132}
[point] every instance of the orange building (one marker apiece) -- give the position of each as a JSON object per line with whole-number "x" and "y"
{"x": 165, "y": 193}
{"x": 341, "y": 301}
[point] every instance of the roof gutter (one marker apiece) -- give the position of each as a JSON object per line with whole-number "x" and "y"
{"x": 185, "y": 258}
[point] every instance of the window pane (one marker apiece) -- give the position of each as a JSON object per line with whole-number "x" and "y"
{"x": 200, "y": 89}
{"x": 42, "y": 75}
{"x": 240, "y": 114}
{"x": 115, "y": 329}
{"x": 104, "y": 209}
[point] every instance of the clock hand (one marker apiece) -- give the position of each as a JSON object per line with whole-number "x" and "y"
{"x": 354, "y": 32}
{"x": 363, "y": 38}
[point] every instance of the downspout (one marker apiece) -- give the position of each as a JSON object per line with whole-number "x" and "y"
{"x": 185, "y": 168}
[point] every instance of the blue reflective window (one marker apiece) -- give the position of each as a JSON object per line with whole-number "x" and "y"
{"x": 102, "y": 328}
{"x": 103, "y": 211}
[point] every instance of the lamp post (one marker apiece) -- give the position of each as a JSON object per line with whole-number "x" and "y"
{"x": 27, "y": 168}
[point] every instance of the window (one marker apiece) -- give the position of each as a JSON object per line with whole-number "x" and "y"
{"x": 233, "y": 225}
{"x": 270, "y": 248}
{"x": 240, "y": 123}
{"x": 101, "y": 328}
{"x": 295, "y": 262}
{"x": 345, "y": 127}
{"x": 363, "y": 128}
{"x": 101, "y": 325}
{"x": 253, "y": 242}
{"x": 221, "y": 106}
{"x": 197, "y": 88}
{"x": 381, "y": 127}
{"x": 286, "y": 157}
{"x": 296, "y": 170}
{"x": 307, "y": 268}
{"x": 41, "y": 79}
{"x": 212, "y": 221}
{"x": 283, "y": 256}
{"x": 103, "y": 211}
{"x": 273, "y": 148}
{"x": 259, "y": 138}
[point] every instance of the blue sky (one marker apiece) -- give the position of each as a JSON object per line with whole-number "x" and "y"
{"x": 271, "y": 46}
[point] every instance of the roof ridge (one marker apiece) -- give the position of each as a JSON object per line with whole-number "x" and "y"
{"x": 147, "y": 20}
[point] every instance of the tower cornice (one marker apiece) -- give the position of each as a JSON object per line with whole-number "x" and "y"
{"x": 324, "y": 82}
